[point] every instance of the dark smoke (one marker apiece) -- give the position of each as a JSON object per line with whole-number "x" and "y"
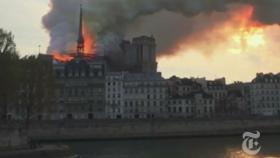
{"x": 109, "y": 19}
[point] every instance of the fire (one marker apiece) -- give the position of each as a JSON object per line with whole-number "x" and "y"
{"x": 61, "y": 57}
{"x": 89, "y": 41}
{"x": 250, "y": 33}
{"x": 89, "y": 48}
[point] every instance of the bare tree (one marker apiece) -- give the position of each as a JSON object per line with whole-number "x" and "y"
{"x": 9, "y": 76}
{"x": 37, "y": 88}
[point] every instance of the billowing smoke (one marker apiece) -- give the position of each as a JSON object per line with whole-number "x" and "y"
{"x": 108, "y": 20}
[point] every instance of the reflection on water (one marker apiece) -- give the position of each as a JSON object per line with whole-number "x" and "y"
{"x": 210, "y": 147}
{"x": 241, "y": 154}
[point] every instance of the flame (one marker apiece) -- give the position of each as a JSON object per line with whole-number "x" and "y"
{"x": 62, "y": 57}
{"x": 89, "y": 48}
{"x": 250, "y": 33}
{"x": 89, "y": 41}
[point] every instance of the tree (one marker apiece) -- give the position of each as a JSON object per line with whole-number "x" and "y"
{"x": 7, "y": 44}
{"x": 37, "y": 88}
{"x": 8, "y": 71}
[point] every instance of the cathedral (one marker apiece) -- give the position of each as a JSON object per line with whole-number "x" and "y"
{"x": 80, "y": 82}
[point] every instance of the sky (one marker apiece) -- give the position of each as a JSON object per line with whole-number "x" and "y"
{"x": 23, "y": 18}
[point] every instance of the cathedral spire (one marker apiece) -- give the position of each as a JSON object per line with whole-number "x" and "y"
{"x": 80, "y": 41}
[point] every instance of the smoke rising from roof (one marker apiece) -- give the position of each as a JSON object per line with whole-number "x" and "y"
{"x": 109, "y": 19}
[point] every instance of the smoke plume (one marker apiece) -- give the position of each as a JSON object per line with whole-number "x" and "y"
{"x": 108, "y": 20}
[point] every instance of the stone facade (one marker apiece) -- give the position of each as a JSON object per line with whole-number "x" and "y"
{"x": 265, "y": 94}
{"x": 144, "y": 95}
{"x": 193, "y": 105}
{"x": 80, "y": 89}
{"x": 114, "y": 95}
{"x": 135, "y": 95}
{"x": 140, "y": 54}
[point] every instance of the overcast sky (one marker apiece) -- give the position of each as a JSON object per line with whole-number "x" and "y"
{"x": 23, "y": 18}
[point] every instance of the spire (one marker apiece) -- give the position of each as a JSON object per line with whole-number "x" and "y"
{"x": 80, "y": 41}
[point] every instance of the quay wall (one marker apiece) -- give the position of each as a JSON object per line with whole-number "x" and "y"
{"x": 151, "y": 129}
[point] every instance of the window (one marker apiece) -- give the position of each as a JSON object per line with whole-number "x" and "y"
{"x": 180, "y": 109}
{"x": 211, "y": 110}
{"x": 174, "y": 109}
{"x": 169, "y": 109}
{"x": 187, "y": 109}
{"x": 125, "y": 104}
{"x": 205, "y": 109}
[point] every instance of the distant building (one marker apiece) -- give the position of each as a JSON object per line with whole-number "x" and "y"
{"x": 140, "y": 54}
{"x": 114, "y": 95}
{"x": 135, "y": 95}
{"x": 80, "y": 88}
{"x": 265, "y": 94}
{"x": 217, "y": 88}
{"x": 80, "y": 84}
{"x": 144, "y": 95}
{"x": 182, "y": 87}
{"x": 193, "y": 105}
{"x": 188, "y": 98}
{"x": 237, "y": 101}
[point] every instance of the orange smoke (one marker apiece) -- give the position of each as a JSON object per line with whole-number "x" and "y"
{"x": 237, "y": 33}
{"x": 249, "y": 33}
{"x": 233, "y": 45}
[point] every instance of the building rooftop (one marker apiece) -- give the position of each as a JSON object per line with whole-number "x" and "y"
{"x": 192, "y": 95}
{"x": 267, "y": 78}
{"x": 143, "y": 76}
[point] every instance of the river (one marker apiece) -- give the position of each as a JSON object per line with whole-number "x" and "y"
{"x": 197, "y": 147}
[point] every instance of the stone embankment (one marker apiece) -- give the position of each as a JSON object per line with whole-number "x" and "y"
{"x": 125, "y": 129}
{"x": 49, "y": 151}
{"x": 79, "y": 130}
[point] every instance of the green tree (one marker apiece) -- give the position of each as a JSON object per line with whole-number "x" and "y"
{"x": 9, "y": 78}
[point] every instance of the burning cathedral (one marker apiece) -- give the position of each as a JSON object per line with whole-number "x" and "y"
{"x": 82, "y": 86}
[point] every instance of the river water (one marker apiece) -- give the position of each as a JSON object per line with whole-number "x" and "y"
{"x": 198, "y": 147}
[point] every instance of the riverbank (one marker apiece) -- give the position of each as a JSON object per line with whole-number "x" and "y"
{"x": 48, "y": 151}
{"x": 152, "y": 129}
{"x": 80, "y": 130}
{"x": 133, "y": 129}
